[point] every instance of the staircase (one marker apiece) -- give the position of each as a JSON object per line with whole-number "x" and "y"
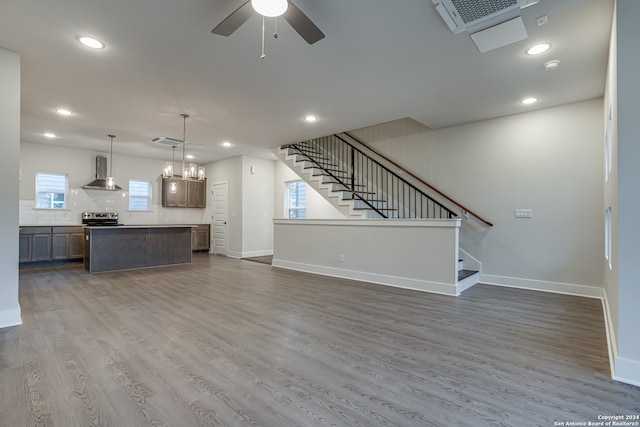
{"x": 358, "y": 185}
{"x": 361, "y": 187}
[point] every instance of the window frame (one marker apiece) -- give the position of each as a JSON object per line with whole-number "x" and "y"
{"x": 297, "y": 208}
{"x": 52, "y": 191}
{"x": 148, "y": 196}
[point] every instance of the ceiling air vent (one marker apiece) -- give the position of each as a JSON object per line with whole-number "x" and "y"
{"x": 170, "y": 142}
{"x": 461, "y": 15}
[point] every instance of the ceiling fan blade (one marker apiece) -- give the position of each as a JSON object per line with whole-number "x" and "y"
{"x": 302, "y": 24}
{"x": 235, "y": 20}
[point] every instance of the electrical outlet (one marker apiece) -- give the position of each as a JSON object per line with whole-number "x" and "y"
{"x": 524, "y": 213}
{"x": 341, "y": 257}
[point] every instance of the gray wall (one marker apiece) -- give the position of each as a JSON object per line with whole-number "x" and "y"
{"x": 9, "y": 172}
{"x": 549, "y": 160}
{"x": 628, "y": 64}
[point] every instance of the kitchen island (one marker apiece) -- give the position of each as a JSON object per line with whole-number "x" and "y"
{"x": 128, "y": 247}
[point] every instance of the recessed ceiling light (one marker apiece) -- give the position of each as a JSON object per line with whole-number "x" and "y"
{"x": 552, "y": 65}
{"x": 538, "y": 49}
{"x": 63, "y": 111}
{"x": 311, "y": 118}
{"x": 226, "y": 144}
{"x": 49, "y": 135}
{"x": 91, "y": 42}
{"x": 189, "y": 156}
{"x": 529, "y": 101}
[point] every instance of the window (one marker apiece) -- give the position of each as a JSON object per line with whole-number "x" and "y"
{"x": 297, "y": 205}
{"x": 608, "y": 238}
{"x": 51, "y": 190}
{"x": 608, "y": 150}
{"x": 139, "y": 195}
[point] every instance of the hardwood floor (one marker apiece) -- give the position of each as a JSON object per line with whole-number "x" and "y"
{"x": 226, "y": 342}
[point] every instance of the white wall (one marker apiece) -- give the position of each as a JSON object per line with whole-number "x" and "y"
{"x": 627, "y": 366}
{"x": 258, "y": 178}
{"x": 80, "y": 166}
{"x": 367, "y": 250}
{"x": 317, "y": 206}
{"x": 10, "y": 137}
{"x": 549, "y": 161}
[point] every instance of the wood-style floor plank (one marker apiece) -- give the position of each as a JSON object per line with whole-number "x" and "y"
{"x": 227, "y": 342}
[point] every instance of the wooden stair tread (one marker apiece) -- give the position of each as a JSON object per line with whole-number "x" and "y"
{"x": 463, "y": 274}
{"x": 371, "y": 209}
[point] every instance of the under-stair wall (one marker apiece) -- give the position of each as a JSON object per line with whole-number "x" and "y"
{"x": 414, "y": 254}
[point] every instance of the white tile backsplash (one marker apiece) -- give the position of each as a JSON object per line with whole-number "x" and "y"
{"x": 108, "y": 201}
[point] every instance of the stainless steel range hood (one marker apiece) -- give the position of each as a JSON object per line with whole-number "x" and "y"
{"x": 100, "y": 183}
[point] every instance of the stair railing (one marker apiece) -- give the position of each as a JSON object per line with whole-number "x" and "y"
{"x": 463, "y": 208}
{"x": 377, "y": 187}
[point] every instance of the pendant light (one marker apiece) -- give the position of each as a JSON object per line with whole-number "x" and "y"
{"x": 111, "y": 181}
{"x": 167, "y": 172}
{"x": 190, "y": 171}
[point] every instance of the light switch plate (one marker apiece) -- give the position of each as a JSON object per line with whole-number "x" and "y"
{"x": 524, "y": 213}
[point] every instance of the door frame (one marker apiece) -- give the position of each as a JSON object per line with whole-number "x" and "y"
{"x": 226, "y": 213}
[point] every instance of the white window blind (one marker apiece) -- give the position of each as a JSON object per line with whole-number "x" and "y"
{"x": 51, "y": 190}
{"x": 297, "y": 205}
{"x": 139, "y": 195}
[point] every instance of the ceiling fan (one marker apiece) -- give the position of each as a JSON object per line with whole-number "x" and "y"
{"x": 271, "y": 8}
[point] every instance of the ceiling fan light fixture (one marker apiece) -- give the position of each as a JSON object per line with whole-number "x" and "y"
{"x": 270, "y": 8}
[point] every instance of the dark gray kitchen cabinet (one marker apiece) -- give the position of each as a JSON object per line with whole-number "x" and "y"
{"x": 178, "y": 193}
{"x": 35, "y": 244}
{"x": 67, "y": 243}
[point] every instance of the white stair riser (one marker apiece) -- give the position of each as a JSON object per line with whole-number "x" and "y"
{"x": 378, "y": 204}
{"x": 333, "y": 191}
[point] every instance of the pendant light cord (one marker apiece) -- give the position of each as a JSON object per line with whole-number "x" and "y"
{"x": 184, "y": 142}
{"x": 263, "y": 55}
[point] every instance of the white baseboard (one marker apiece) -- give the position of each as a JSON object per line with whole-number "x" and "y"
{"x": 610, "y": 333}
{"x": 10, "y": 317}
{"x": 540, "y": 285}
{"x": 379, "y": 279}
{"x": 627, "y": 371}
{"x": 234, "y": 254}
{"x": 257, "y": 253}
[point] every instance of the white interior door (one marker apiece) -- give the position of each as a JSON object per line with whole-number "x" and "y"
{"x": 219, "y": 225}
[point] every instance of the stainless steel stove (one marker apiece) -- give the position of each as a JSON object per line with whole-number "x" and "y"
{"x": 100, "y": 218}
